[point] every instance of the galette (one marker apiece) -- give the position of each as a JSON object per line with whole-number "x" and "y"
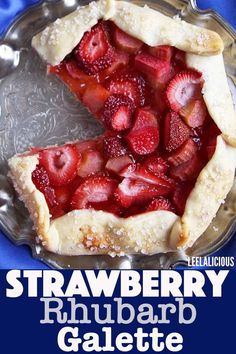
{"x": 165, "y": 163}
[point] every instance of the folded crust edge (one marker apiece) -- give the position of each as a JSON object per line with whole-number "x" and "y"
{"x": 89, "y": 232}
{"x": 59, "y": 38}
{"x": 211, "y": 188}
{"x": 83, "y": 232}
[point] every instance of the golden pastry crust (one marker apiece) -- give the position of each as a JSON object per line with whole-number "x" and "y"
{"x": 150, "y": 26}
{"x": 97, "y": 232}
{"x": 216, "y": 93}
{"x": 87, "y": 231}
{"x": 21, "y": 168}
{"x": 153, "y": 28}
{"x": 211, "y": 188}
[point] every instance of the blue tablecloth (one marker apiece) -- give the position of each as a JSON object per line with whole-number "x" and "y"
{"x": 12, "y": 256}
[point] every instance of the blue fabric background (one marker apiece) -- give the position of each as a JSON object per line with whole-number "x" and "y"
{"x": 12, "y": 256}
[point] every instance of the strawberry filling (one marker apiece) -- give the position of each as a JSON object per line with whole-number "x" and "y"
{"x": 159, "y": 134}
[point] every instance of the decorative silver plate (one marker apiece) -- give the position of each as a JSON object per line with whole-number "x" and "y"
{"x": 38, "y": 110}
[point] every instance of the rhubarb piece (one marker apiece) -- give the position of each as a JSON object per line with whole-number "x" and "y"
{"x": 125, "y": 42}
{"x": 92, "y": 162}
{"x": 162, "y": 52}
{"x": 183, "y": 154}
{"x": 194, "y": 113}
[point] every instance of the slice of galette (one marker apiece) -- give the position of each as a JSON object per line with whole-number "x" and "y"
{"x": 156, "y": 178}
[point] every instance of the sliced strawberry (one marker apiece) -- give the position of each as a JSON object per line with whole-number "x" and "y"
{"x": 157, "y": 70}
{"x": 194, "y": 113}
{"x": 117, "y": 112}
{"x": 95, "y": 97}
{"x": 137, "y": 171}
{"x": 92, "y": 162}
{"x": 128, "y": 84}
{"x": 156, "y": 165}
{"x": 187, "y": 171}
{"x": 125, "y": 42}
{"x": 93, "y": 190}
{"x": 131, "y": 191}
{"x": 60, "y": 163}
{"x": 160, "y": 204}
{"x": 114, "y": 146}
{"x": 53, "y": 69}
{"x": 180, "y": 197}
{"x": 143, "y": 138}
{"x": 176, "y": 132}
{"x": 183, "y": 88}
{"x": 41, "y": 181}
{"x": 94, "y": 51}
{"x": 162, "y": 52}
{"x": 184, "y": 153}
{"x": 116, "y": 164}
{"x": 149, "y": 64}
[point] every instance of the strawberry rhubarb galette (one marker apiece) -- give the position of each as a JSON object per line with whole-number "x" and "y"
{"x": 157, "y": 176}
